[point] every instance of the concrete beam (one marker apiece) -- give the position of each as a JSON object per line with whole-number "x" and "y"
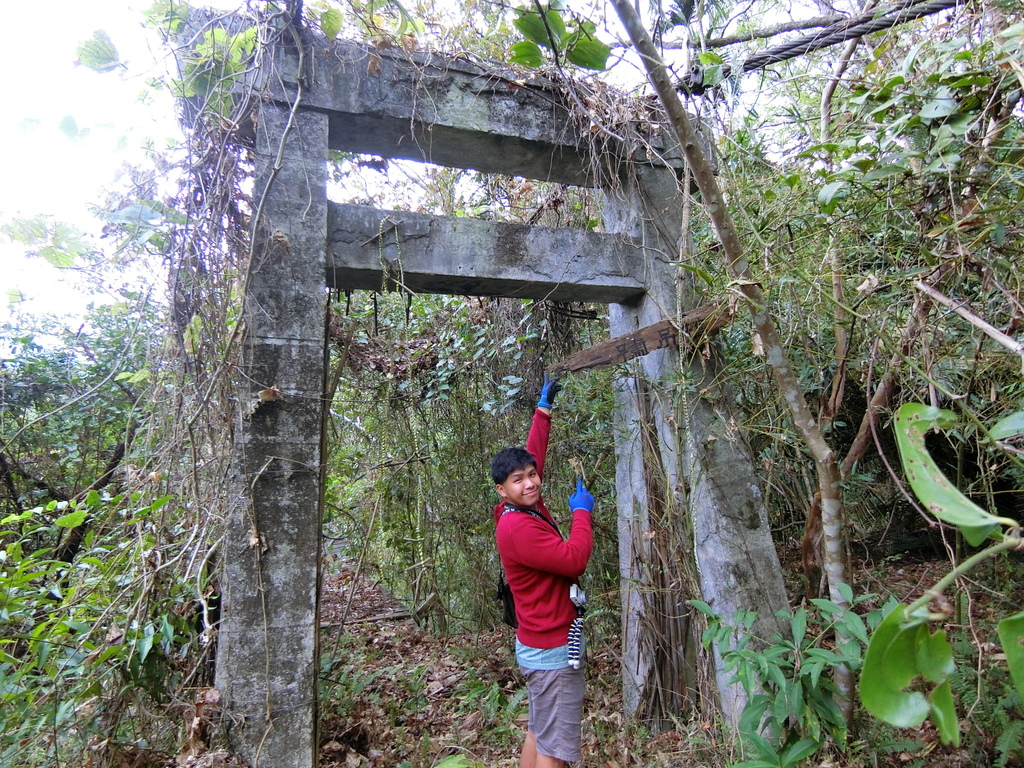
{"x": 370, "y": 249}
{"x": 451, "y": 112}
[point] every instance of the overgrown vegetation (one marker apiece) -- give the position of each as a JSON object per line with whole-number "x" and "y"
{"x": 870, "y": 213}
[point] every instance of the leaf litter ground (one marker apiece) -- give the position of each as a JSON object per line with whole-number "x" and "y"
{"x": 393, "y": 694}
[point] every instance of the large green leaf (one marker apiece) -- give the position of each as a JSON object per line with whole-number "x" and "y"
{"x": 829, "y": 195}
{"x": 1011, "y": 635}
{"x": 1011, "y": 426}
{"x": 883, "y": 680}
{"x": 533, "y": 27}
{"x": 930, "y": 485}
{"x": 527, "y": 53}
{"x": 943, "y": 712}
{"x": 934, "y": 656}
{"x": 937, "y": 108}
{"x": 71, "y": 519}
{"x": 902, "y": 650}
{"x": 330, "y": 22}
{"x": 800, "y": 750}
{"x": 588, "y": 53}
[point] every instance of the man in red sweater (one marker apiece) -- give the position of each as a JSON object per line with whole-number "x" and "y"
{"x": 540, "y": 567}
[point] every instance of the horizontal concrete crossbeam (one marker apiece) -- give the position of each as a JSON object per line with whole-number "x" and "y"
{"x": 451, "y": 112}
{"x": 370, "y": 249}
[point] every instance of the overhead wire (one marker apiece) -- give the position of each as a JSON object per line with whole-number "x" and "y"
{"x": 900, "y": 13}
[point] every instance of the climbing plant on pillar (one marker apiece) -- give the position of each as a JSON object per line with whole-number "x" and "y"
{"x": 904, "y": 648}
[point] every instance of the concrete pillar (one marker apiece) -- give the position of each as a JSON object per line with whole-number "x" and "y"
{"x": 688, "y": 491}
{"x": 267, "y": 655}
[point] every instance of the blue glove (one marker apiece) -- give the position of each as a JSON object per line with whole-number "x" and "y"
{"x": 582, "y": 499}
{"x": 550, "y": 388}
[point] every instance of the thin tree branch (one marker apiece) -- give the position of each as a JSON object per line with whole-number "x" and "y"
{"x": 53, "y": 491}
{"x": 8, "y": 478}
{"x": 994, "y": 333}
{"x": 837, "y": 75}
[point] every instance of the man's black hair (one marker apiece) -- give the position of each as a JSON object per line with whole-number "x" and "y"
{"x": 509, "y": 460}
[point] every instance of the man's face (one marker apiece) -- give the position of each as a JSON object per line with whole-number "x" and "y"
{"x": 521, "y": 488}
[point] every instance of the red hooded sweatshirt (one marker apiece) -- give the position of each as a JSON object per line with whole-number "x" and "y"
{"x": 539, "y": 565}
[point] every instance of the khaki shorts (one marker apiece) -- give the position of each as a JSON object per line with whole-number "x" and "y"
{"x": 556, "y": 710}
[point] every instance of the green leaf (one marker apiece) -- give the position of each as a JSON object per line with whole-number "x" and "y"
{"x": 826, "y": 606}
{"x": 69, "y": 127}
{"x": 57, "y": 242}
{"x": 935, "y": 657}
{"x": 798, "y": 751}
{"x": 885, "y": 171}
{"x": 71, "y": 519}
{"x": 26, "y": 231}
{"x": 159, "y": 503}
{"x": 713, "y": 74}
{"x": 943, "y": 712}
{"x": 930, "y": 485}
{"x": 137, "y": 215}
{"x": 1011, "y": 426}
{"x": 889, "y": 667}
{"x": 10, "y": 519}
{"x": 98, "y": 53}
{"x": 134, "y": 377}
{"x": 407, "y": 24}
{"x": 828, "y": 196}
{"x": 901, "y": 650}
{"x": 845, "y": 591}
{"x": 527, "y": 53}
{"x": 1011, "y": 635}
{"x": 589, "y": 54}
{"x": 853, "y": 626}
{"x": 799, "y": 625}
{"x": 938, "y": 108}
{"x": 776, "y": 675}
{"x": 533, "y": 27}
{"x": 330, "y": 22}
{"x": 710, "y": 57}
{"x": 455, "y": 761}
{"x": 703, "y": 274}
{"x": 145, "y": 643}
{"x": 759, "y": 742}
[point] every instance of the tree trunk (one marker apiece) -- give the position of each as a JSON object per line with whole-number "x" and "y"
{"x": 738, "y": 269}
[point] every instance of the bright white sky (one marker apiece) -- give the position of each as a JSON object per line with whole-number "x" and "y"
{"x": 45, "y": 171}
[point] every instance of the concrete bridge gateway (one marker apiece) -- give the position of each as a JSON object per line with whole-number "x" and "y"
{"x": 344, "y": 96}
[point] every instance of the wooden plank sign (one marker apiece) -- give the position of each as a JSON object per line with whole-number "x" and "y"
{"x": 697, "y": 324}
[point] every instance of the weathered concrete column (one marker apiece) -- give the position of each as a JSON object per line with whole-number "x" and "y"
{"x": 267, "y": 644}
{"x": 680, "y": 452}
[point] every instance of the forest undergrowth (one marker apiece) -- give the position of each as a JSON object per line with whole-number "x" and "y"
{"x": 393, "y": 694}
